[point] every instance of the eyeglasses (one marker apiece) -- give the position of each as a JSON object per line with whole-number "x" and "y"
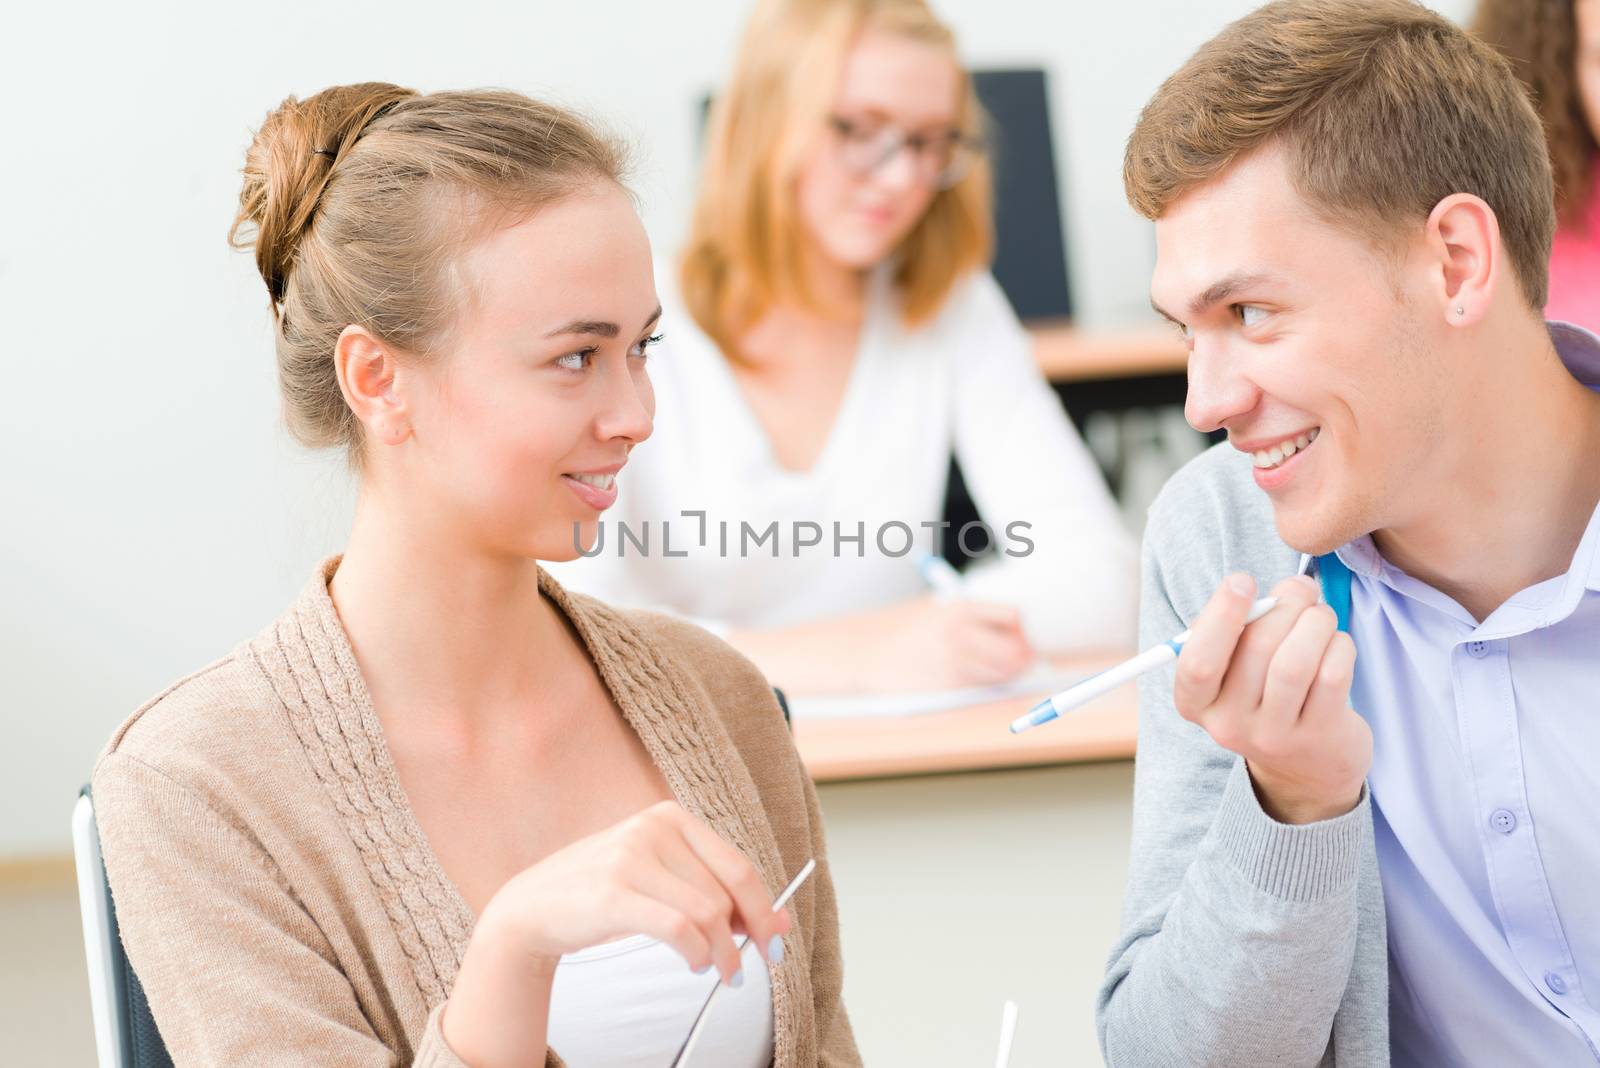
{"x": 941, "y": 159}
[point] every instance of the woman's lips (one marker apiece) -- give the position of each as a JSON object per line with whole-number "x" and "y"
{"x": 878, "y": 216}
{"x": 597, "y": 497}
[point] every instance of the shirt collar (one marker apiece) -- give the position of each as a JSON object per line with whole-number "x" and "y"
{"x": 1579, "y": 350}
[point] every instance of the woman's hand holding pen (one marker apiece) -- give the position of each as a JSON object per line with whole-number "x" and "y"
{"x": 935, "y": 643}
{"x": 660, "y": 873}
{"x": 1278, "y": 694}
{"x": 925, "y": 643}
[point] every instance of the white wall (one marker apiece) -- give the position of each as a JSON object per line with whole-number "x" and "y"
{"x": 153, "y": 513}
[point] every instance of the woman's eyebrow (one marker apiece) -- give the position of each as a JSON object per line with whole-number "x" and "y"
{"x": 598, "y": 327}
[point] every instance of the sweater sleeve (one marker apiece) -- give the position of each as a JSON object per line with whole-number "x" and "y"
{"x": 1076, "y": 573}
{"x": 236, "y": 971}
{"x": 836, "y": 1042}
{"x": 1238, "y": 932}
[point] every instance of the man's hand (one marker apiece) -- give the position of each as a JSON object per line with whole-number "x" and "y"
{"x": 1278, "y": 694}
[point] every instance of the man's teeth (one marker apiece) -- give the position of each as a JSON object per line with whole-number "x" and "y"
{"x": 598, "y": 481}
{"x": 1283, "y": 450}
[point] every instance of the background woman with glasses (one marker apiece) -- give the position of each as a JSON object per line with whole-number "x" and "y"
{"x": 832, "y": 336}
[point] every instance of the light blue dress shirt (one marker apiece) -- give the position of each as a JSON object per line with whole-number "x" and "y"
{"x": 1485, "y": 785}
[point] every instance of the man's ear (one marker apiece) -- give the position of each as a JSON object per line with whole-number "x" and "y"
{"x": 1464, "y": 254}
{"x": 367, "y": 370}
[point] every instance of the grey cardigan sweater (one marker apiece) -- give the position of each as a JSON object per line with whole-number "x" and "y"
{"x": 1244, "y": 941}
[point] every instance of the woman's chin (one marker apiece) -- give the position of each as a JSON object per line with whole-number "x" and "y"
{"x": 577, "y": 538}
{"x": 859, "y": 252}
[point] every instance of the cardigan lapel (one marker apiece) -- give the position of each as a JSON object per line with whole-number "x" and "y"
{"x": 707, "y": 776}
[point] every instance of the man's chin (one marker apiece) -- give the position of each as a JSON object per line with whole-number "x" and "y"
{"x": 1311, "y": 531}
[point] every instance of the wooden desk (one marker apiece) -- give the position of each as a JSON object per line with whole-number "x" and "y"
{"x": 1066, "y": 353}
{"x": 971, "y": 739}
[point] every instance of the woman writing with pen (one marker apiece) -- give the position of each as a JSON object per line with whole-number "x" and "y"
{"x": 833, "y": 337}
{"x": 443, "y": 812}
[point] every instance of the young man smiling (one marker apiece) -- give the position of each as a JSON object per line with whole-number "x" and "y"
{"x": 1345, "y": 861}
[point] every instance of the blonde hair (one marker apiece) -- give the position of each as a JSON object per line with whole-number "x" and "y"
{"x": 356, "y": 202}
{"x": 743, "y": 251}
{"x": 1384, "y": 107}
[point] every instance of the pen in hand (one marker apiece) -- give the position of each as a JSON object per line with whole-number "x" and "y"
{"x": 1108, "y": 680}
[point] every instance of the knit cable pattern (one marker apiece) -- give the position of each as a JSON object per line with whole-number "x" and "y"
{"x": 698, "y": 759}
{"x": 308, "y": 659}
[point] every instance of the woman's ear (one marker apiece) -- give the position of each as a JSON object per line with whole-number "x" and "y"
{"x": 368, "y": 370}
{"x": 1463, "y": 239}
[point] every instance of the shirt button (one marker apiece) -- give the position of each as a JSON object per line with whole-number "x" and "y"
{"x": 1504, "y": 821}
{"x": 1556, "y": 984}
{"x": 1478, "y": 650}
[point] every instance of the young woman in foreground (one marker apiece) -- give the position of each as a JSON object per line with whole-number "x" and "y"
{"x": 442, "y": 812}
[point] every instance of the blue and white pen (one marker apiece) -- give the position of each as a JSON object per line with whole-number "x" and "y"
{"x": 1108, "y": 680}
{"x": 942, "y": 578}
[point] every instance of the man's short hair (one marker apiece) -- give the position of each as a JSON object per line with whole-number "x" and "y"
{"x": 1383, "y": 107}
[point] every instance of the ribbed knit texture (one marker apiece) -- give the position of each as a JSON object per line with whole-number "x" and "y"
{"x": 1300, "y": 863}
{"x": 252, "y": 812}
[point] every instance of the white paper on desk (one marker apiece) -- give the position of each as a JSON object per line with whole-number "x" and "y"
{"x": 1036, "y": 681}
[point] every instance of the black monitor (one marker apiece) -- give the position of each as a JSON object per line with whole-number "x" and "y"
{"x": 1030, "y": 260}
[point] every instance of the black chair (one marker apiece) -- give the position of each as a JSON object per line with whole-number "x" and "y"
{"x": 125, "y": 1032}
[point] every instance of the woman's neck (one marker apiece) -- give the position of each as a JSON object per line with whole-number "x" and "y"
{"x": 840, "y": 291}
{"x": 829, "y": 323}
{"x": 454, "y": 637}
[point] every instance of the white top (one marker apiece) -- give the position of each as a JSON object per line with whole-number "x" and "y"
{"x": 630, "y": 1004}
{"x": 964, "y": 381}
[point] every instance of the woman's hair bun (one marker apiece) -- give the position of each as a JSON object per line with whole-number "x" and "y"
{"x": 289, "y": 165}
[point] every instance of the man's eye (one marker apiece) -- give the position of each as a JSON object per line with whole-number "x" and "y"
{"x": 1250, "y": 315}
{"x": 575, "y": 361}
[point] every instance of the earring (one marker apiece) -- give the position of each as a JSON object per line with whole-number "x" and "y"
{"x": 1460, "y": 310}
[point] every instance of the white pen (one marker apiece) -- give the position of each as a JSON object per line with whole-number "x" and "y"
{"x": 700, "y": 1021}
{"x": 1108, "y": 680}
{"x": 1082, "y": 693}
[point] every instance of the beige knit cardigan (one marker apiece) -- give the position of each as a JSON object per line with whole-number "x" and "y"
{"x": 280, "y": 903}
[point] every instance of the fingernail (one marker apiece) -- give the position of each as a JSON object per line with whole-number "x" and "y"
{"x": 738, "y": 979}
{"x": 1243, "y": 585}
{"x": 775, "y": 950}
{"x": 702, "y": 969}
{"x": 1309, "y": 581}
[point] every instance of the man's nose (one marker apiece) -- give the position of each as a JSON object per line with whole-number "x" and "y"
{"x": 1217, "y": 391}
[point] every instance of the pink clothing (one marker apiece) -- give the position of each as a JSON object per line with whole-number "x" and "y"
{"x": 1575, "y": 267}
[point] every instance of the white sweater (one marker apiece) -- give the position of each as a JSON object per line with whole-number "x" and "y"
{"x": 965, "y": 382}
